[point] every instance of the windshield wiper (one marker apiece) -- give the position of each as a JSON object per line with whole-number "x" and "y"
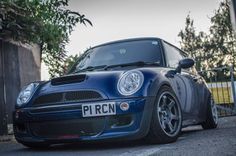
{"x": 138, "y": 63}
{"x": 105, "y": 67}
{"x": 90, "y": 68}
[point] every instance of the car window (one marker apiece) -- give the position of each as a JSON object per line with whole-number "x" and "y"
{"x": 173, "y": 55}
{"x": 122, "y": 53}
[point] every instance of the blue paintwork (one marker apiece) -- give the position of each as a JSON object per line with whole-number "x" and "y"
{"x": 107, "y": 87}
{"x": 105, "y": 82}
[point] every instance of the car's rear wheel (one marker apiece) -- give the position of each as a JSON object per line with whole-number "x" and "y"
{"x": 166, "y": 119}
{"x": 211, "y": 116}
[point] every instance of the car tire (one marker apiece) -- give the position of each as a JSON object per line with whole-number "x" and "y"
{"x": 166, "y": 118}
{"x": 211, "y": 115}
{"x": 35, "y": 145}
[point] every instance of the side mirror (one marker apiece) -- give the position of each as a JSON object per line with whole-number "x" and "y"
{"x": 184, "y": 64}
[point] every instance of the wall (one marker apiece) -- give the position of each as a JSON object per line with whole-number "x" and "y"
{"x": 19, "y": 65}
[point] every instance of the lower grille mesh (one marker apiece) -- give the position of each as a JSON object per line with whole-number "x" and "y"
{"x": 78, "y": 127}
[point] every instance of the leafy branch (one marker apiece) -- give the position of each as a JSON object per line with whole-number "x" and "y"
{"x": 215, "y": 48}
{"x": 45, "y": 22}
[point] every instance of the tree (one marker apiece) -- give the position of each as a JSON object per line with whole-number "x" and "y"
{"x": 45, "y": 22}
{"x": 222, "y": 41}
{"x": 215, "y": 48}
{"x": 69, "y": 62}
{"x": 191, "y": 42}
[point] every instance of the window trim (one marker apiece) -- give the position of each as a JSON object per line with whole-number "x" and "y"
{"x": 182, "y": 53}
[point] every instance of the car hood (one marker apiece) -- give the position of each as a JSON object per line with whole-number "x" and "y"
{"x": 102, "y": 82}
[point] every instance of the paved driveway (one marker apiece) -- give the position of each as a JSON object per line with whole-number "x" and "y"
{"x": 193, "y": 141}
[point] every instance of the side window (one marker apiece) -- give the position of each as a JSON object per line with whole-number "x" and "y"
{"x": 173, "y": 55}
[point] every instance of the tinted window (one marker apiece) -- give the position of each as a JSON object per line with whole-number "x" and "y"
{"x": 173, "y": 55}
{"x": 121, "y": 53}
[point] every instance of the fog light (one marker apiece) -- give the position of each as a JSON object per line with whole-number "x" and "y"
{"x": 124, "y": 106}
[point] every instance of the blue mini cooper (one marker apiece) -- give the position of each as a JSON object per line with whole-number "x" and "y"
{"x": 122, "y": 90}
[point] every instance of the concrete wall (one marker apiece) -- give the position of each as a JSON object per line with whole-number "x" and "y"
{"x": 19, "y": 65}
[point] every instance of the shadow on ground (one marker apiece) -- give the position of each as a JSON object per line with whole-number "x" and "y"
{"x": 106, "y": 145}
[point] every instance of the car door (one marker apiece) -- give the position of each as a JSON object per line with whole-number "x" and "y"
{"x": 182, "y": 83}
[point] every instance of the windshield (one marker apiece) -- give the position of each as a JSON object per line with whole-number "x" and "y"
{"x": 120, "y": 53}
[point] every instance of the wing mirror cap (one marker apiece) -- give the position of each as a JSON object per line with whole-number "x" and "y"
{"x": 184, "y": 64}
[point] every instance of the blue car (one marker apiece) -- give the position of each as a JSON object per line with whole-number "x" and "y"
{"x": 123, "y": 90}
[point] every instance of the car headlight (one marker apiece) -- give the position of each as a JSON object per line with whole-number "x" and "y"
{"x": 26, "y": 93}
{"x": 130, "y": 82}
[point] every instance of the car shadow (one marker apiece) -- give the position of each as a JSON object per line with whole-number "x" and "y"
{"x": 191, "y": 129}
{"x": 95, "y": 146}
{"x": 88, "y": 146}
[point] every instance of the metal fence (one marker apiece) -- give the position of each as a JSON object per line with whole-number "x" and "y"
{"x": 221, "y": 82}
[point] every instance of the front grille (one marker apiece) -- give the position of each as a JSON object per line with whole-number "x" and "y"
{"x": 74, "y": 96}
{"x": 84, "y": 95}
{"x": 49, "y": 98}
{"x": 56, "y": 109}
{"x": 76, "y": 127}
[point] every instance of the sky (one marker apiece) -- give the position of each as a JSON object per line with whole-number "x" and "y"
{"x": 121, "y": 19}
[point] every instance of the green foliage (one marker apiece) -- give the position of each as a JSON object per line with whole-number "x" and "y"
{"x": 221, "y": 43}
{"x": 191, "y": 42}
{"x": 45, "y": 22}
{"x": 215, "y": 48}
{"x": 69, "y": 62}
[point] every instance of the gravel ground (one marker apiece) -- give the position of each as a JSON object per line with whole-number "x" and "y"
{"x": 194, "y": 141}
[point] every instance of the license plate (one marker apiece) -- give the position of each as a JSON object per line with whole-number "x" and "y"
{"x": 98, "y": 109}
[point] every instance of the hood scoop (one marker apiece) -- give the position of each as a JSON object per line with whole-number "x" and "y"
{"x": 68, "y": 79}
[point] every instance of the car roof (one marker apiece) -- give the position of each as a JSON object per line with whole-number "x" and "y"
{"x": 135, "y": 39}
{"x": 127, "y": 40}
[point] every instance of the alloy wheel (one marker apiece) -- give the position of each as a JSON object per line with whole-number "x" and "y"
{"x": 169, "y": 114}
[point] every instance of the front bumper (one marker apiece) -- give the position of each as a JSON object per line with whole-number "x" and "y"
{"x": 64, "y": 123}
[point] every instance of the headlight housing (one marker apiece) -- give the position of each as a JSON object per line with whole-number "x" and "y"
{"x": 130, "y": 82}
{"x": 26, "y": 94}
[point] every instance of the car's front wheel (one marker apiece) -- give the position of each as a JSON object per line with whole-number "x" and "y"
{"x": 166, "y": 119}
